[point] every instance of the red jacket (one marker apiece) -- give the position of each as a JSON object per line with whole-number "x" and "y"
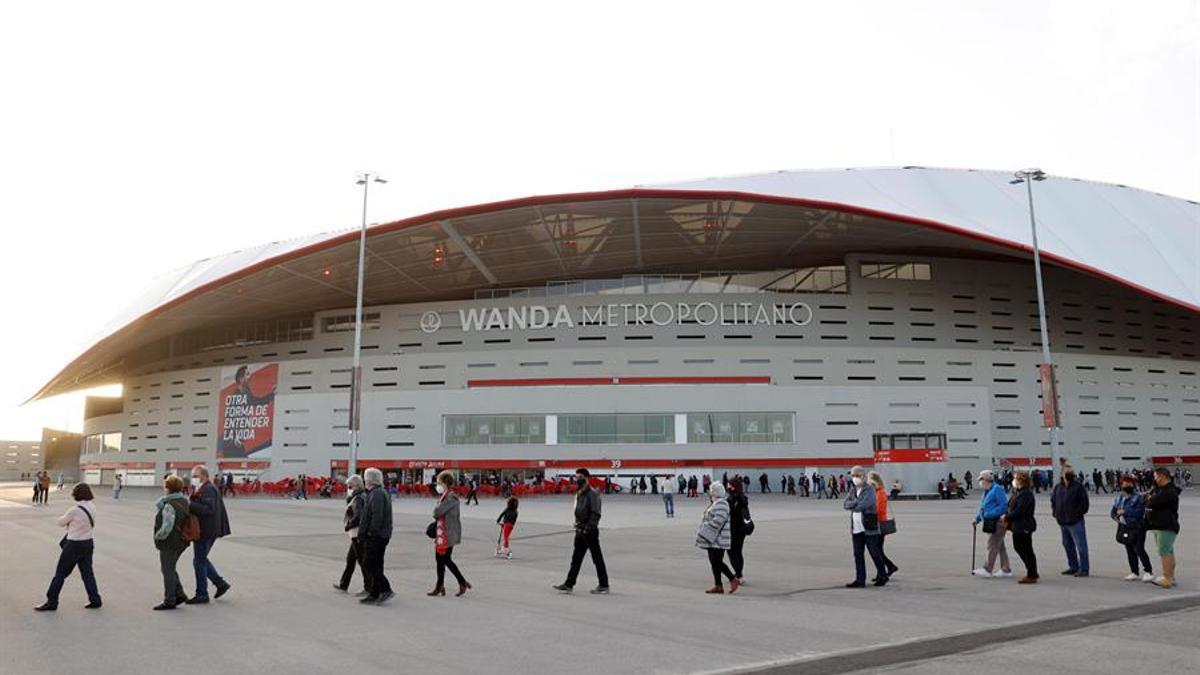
{"x": 881, "y": 503}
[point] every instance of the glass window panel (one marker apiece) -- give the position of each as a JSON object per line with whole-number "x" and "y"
{"x": 753, "y": 428}
{"x": 631, "y": 428}
{"x": 779, "y": 428}
{"x": 725, "y": 427}
{"x": 699, "y": 428}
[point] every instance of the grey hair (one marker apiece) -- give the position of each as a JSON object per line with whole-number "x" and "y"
{"x": 373, "y": 476}
{"x": 987, "y": 474}
{"x": 202, "y": 469}
{"x": 354, "y": 481}
{"x": 856, "y": 469}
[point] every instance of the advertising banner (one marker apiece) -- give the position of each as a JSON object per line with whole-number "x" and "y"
{"x": 246, "y": 416}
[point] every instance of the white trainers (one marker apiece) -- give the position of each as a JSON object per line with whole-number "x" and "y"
{"x": 1133, "y": 577}
{"x": 1002, "y": 573}
{"x": 1147, "y": 577}
{"x": 982, "y": 573}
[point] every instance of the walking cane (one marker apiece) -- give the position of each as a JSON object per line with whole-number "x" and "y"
{"x": 974, "y": 534}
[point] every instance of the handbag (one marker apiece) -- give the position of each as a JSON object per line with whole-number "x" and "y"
{"x": 887, "y": 527}
{"x": 1124, "y": 534}
{"x": 62, "y": 543}
{"x": 989, "y": 525}
{"x": 431, "y": 531}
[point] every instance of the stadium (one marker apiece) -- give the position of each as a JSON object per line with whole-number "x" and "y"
{"x": 775, "y": 323}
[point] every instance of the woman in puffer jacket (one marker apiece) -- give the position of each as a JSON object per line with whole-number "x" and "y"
{"x": 713, "y": 536}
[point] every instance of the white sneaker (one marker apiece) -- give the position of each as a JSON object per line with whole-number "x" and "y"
{"x": 982, "y": 573}
{"x": 1133, "y": 577}
{"x": 1002, "y": 573}
{"x": 1147, "y": 577}
{"x": 1158, "y": 580}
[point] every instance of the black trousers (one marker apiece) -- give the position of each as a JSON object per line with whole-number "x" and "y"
{"x": 716, "y": 560}
{"x": 1135, "y": 549}
{"x": 374, "y": 579}
{"x": 1023, "y": 545}
{"x": 871, "y": 543}
{"x": 353, "y": 559}
{"x": 587, "y": 542}
{"x": 74, "y": 553}
{"x": 173, "y": 592}
{"x": 736, "y": 541}
{"x": 444, "y": 563}
{"x": 886, "y": 560}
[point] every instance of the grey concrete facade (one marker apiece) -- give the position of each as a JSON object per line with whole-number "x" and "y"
{"x": 956, "y": 354}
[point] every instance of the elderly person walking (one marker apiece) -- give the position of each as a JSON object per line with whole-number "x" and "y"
{"x": 447, "y": 535}
{"x": 77, "y": 548}
{"x": 171, "y": 514}
{"x": 713, "y": 536}
{"x": 992, "y": 507}
{"x": 355, "y": 497}
{"x": 375, "y": 532}
{"x": 864, "y": 529}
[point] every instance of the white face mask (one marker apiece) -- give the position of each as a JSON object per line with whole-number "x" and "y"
{"x": 196, "y": 481}
{"x": 858, "y": 481}
{"x": 441, "y": 488}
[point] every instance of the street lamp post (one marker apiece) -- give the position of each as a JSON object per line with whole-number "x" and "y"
{"x": 1049, "y": 388}
{"x": 364, "y": 179}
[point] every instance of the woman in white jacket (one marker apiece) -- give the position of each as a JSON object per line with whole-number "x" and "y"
{"x": 77, "y": 548}
{"x": 713, "y": 536}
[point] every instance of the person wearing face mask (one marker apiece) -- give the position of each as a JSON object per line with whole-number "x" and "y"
{"x": 1019, "y": 520}
{"x": 992, "y": 507}
{"x": 355, "y": 496}
{"x": 1162, "y": 518}
{"x": 1129, "y": 510}
{"x": 587, "y": 535}
{"x": 713, "y": 537}
{"x": 170, "y": 517}
{"x": 209, "y": 507}
{"x": 1069, "y": 504}
{"x": 447, "y": 535}
{"x": 864, "y": 529}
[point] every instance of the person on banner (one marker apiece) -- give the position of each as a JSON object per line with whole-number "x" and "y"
{"x": 77, "y": 548}
{"x": 209, "y": 507}
{"x": 1129, "y": 512}
{"x": 587, "y": 535}
{"x": 241, "y": 381}
{"x": 447, "y": 533}
{"x": 992, "y": 507}
{"x": 355, "y": 497}
{"x": 375, "y": 532}
{"x": 1069, "y": 504}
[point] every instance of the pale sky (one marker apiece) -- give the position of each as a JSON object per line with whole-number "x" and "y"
{"x": 138, "y": 137}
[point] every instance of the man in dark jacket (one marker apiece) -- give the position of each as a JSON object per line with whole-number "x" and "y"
{"x": 374, "y": 532}
{"x": 1069, "y": 504}
{"x": 1162, "y": 518}
{"x": 209, "y": 508}
{"x": 587, "y": 535}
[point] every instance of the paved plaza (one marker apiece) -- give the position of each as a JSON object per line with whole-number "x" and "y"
{"x": 792, "y": 617}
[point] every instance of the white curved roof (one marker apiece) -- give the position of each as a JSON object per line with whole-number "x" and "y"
{"x": 1141, "y": 238}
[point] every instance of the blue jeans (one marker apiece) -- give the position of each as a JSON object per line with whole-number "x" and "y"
{"x": 1074, "y": 539}
{"x": 669, "y": 503}
{"x": 205, "y": 571}
{"x": 74, "y": 554}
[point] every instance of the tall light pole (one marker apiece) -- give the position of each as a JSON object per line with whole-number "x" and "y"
{"x": 1050, "y": 415}
{"x": 364, "y": 179}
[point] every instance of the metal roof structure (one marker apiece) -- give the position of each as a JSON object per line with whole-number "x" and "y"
{"x": 787, "y": 219}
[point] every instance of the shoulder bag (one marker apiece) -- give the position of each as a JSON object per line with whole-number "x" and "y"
{"x": 62, "y": 543}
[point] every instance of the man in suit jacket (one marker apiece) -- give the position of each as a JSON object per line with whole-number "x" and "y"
{"x": 209, "y": 508}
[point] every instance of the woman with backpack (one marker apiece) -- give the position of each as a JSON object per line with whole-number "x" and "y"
{"x": 170, "y": 522}
{"x": 740, "y": 526}
{"x": 713, "y": 536}
{"x": 77, "y": 548}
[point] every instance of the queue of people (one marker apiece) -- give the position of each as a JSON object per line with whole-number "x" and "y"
{"x": 199, "y": 520}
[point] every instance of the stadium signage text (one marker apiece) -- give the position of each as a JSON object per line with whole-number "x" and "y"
{"x": 617, "y": 314}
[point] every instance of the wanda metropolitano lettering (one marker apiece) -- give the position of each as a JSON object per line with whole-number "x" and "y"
{"x": 537, "y": 317}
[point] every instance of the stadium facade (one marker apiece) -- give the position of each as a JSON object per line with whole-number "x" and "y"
{"x": 778, "y": 323}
